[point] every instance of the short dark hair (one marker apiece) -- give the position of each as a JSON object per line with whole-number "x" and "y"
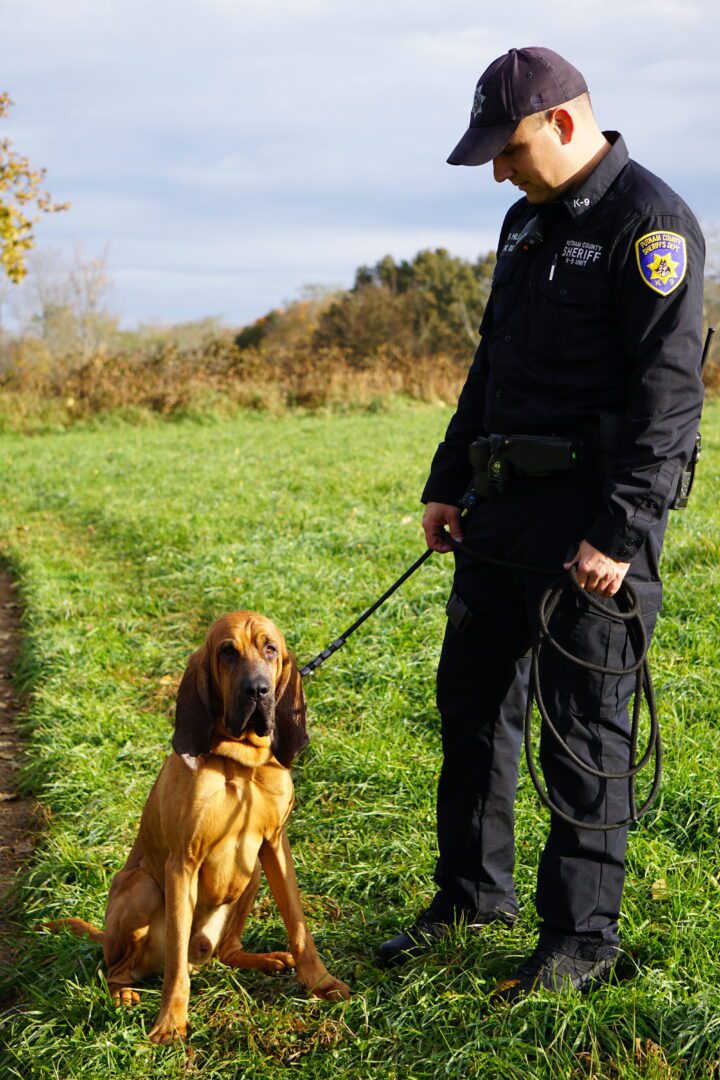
{"x": 582, "y": 102}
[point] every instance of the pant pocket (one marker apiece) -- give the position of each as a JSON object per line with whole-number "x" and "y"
{"x": 598, "y": 640}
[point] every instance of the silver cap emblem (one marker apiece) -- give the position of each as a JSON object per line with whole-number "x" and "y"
{"x": 478, "y": 101}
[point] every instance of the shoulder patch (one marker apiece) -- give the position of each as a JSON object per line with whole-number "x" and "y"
{"x": 662, "y": 260}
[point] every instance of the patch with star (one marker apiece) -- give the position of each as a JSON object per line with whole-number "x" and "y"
{"x": 662, "y": 260}
{"x": 478, "y": 101}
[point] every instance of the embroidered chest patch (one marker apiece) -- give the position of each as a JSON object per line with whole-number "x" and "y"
{"x": 511, "y": 242}
{"x": 662, "y": 260}
{"x": 581, "y": 254}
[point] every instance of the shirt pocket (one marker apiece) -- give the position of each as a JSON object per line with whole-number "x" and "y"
{"x": 571, "y": 317}
{"x": 504, "y": 285}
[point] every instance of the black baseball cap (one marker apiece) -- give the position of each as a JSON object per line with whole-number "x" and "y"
{"x": 518, "y": 84}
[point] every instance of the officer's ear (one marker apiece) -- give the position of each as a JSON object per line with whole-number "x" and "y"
{"x": 563, "y": 125}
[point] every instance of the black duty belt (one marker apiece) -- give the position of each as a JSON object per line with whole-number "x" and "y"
{"x": 497, "y": 460}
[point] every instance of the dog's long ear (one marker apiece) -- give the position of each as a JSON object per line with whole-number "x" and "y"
{"x": 290, "y": 714}
{"x": 193, "y": 713}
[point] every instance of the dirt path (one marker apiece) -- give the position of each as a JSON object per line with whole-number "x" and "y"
{"x": 16, "y": 820}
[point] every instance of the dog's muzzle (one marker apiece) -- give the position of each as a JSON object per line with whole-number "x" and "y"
{"x": 254, "y": 707}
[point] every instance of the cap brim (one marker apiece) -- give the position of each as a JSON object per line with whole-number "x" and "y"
{"x": 481, "y": 144}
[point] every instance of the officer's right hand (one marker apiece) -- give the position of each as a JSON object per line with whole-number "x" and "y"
{"x": 436, "y": 517}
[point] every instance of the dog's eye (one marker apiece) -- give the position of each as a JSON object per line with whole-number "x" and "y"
{"x": 270, "y": 649}
{"x": 228, "y": 650}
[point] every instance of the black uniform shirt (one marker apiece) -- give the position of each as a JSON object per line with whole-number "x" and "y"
{"x": 596, "y": 306}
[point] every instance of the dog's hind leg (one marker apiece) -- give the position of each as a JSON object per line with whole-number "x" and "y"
{"x": 134, "y": 938}
{"x": 230, "y": 950}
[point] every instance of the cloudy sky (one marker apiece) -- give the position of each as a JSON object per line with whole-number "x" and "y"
{"x": 230, "y": 152}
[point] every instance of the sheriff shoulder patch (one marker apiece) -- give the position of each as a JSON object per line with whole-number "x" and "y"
{"x": 662, "y": 260}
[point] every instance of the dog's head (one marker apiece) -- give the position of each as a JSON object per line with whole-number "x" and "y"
{"x": 241, "y": 686}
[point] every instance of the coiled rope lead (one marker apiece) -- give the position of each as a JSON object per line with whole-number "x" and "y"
{"x": 628, "y": 613}
{"x": 632, "y": 618}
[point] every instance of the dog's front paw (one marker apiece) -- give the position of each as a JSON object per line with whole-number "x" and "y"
{"x": 276, "y": 961}
{"x": 124, "y": 996}
{"x": 168, "y": 1028}
{"x": 330, "y": 989}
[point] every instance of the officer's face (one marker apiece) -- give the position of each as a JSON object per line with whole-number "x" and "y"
{"x": 533, "y": 160}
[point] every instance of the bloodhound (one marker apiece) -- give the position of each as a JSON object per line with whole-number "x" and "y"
{"x": 215, "y": 814}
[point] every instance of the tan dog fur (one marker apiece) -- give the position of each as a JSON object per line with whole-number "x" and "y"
{"x": 214, "y": 816}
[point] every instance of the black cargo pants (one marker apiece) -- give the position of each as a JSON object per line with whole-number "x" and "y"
{"x": 481, "y": 694}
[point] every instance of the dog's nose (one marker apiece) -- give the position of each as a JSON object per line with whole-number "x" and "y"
{"x": 256, "y": 686}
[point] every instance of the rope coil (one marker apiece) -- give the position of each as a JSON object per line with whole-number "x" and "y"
{"x": 631, "y": 616}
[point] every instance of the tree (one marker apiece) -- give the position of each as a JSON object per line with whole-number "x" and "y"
{"x": 43, "y": 301}
{"x": 89, "y": 284}
{"x": 20, "y": 191}
{"x": 431, "y": 304}
{"x": 63, "y": 302}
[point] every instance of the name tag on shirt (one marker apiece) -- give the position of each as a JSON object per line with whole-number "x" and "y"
{"x": 510, "y": 242}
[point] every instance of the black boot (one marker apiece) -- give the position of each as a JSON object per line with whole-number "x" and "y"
{"x": 431, "y": 926}
{"x": 582, "y": 967}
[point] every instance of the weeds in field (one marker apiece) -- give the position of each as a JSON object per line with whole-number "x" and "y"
{"x": 216, "y": 381}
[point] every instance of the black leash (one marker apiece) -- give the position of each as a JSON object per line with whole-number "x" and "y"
{"x": 338, "y": 643}
{"x": 628, "y": 613}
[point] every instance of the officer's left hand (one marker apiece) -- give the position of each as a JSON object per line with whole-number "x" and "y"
{"x": 597, "y": 572}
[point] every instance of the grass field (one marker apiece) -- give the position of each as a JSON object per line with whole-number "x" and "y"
{"x": 127, "y": 542}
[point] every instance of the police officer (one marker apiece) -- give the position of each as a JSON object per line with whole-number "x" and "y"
{"x": 591, "y": 333}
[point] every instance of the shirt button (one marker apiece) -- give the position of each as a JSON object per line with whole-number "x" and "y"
{"x": 498, "y": 393}
{"x": 508, "y": 337}
{"x": 563, "y": 292}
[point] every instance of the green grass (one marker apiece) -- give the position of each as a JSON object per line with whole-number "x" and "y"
{"x": 127, "y": 542}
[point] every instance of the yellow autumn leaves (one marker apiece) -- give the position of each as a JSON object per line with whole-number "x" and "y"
{"x": 22, "y": 200}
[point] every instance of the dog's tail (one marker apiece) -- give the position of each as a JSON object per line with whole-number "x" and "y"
{"x": 78, "y": 926}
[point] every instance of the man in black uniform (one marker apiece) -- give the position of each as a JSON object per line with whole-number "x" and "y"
{"x": 591, "y": 332}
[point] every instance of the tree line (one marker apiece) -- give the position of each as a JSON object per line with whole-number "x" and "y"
{"x": 429, "y": 304}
